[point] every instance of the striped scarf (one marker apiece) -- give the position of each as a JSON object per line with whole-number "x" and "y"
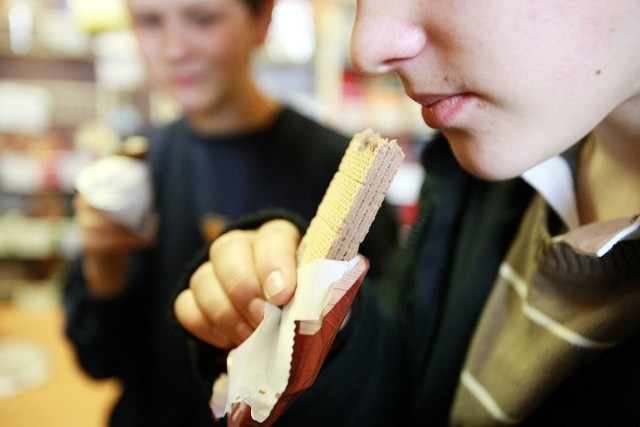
{"x": 551, "y": 310}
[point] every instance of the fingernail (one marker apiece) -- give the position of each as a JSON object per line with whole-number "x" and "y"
{"x": 256, "y": 308}
{"x": 274, "y": 284}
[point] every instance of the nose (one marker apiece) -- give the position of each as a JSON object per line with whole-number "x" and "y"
{"x": 381, "y": 39}
{"x": 176, "y": 43}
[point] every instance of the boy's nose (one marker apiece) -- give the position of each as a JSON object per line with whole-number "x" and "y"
{"x": 380, "y": 40}
{"x": 176, "y": 42}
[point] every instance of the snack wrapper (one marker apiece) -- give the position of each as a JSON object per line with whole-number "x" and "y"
{"x": 283, "y": 356}
{"x": 120, "y": 187}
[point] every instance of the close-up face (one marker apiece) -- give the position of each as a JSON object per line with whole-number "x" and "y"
{"x": 509, "y": 82}
{"x": 198, "y": 50}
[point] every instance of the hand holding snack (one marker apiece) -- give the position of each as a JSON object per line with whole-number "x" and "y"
{"x": 106, "y": 246}
{"x": 225, "y": 301}
{"x": 270, "y": 368}
{"x": 113, "y": 210}
{"x": 101, "y": 233}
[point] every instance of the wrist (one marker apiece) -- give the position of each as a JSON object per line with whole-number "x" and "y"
{"x": 105, "y": 273}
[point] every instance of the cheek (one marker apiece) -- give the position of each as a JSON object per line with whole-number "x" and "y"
{"x": 565, "y": 46}
{"x": 151, "y": 55}
{"x": 148, "y": 44}
{"x": 546, "y": 74}
{"x": 224, "y": 56}
{"x": 570, "y": 92}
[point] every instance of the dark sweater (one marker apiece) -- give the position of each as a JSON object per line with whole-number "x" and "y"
{"x": 133, "y": 337}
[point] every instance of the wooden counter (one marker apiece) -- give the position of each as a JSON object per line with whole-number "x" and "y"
{"x": 68, "y": 398}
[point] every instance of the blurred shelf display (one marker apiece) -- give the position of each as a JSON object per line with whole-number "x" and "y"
{"x": 55, "y": 115}
{"x": 41, "y": 28}
{"x": 95, "y": 16}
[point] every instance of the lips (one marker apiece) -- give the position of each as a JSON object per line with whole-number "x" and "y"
{"x": 439, "y": 110}
{"x": 183, "y": 79}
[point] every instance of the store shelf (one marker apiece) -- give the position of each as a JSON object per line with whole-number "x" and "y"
{"x": 47, "y": 91}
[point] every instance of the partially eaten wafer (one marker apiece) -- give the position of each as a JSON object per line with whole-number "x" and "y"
{"x": 353, "y": 198}
{"x": 342, "y": 220}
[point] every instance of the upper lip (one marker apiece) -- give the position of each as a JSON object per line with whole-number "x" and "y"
{"x": 429, "y": 99}
{"x": 178, "y": 77}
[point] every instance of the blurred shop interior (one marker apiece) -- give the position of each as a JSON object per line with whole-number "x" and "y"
{"x": 71, "y": 88}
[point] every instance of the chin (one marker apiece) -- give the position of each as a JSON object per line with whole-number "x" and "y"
{"x": 190, "y": 102}
{"x": 489, "y": 172}
{"x": 484, "y": 164}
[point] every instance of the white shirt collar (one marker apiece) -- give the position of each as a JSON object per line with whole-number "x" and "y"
{"x": 553, "y": 179}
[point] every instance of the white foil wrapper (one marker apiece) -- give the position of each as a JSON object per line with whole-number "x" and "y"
{"x": 120, "y": 187}
{"x": 258, "y": 370}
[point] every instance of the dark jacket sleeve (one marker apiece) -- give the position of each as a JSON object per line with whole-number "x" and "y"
{"x": 95, "y": 325}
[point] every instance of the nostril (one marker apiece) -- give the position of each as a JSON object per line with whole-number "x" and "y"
{"x": 367, "y": 58}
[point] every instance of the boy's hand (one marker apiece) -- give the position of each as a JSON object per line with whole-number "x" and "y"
{"x": 225, "y": 299}
{"x": 106, "y": 246}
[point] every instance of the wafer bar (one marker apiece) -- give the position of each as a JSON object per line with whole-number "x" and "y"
{"x": 353, "y": 198}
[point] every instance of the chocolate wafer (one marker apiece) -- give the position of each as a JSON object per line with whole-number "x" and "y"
{"x": 353, "y": 198}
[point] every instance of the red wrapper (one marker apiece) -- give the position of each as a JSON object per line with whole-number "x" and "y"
{"x": 309, "y": 352}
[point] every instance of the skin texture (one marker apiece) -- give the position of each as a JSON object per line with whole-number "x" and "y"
{"x": 509, "y": 83}
{"x": 200, "y": 52}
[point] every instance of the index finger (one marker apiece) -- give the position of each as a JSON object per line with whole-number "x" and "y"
{"x": 232, "y": 258}
{"x": 275, "y": 247}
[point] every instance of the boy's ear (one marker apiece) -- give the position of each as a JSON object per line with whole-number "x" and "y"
{"x": 263, "y": 20}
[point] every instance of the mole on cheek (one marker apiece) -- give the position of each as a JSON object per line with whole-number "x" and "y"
{"x": 598, "y": 72}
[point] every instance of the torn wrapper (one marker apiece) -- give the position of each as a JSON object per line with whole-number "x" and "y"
{"x": 283, "y": 356}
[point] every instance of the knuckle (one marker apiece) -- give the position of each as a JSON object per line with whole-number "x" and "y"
{"x": 278, "y": 226}
{"x": 241, "y": 286}
{"x": 203, "y": 274}
{"x": 225, "y": 319}
{"x": 229, "y": 238}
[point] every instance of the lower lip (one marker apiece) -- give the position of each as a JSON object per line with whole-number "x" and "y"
{"x": 440, "y": 114}
{"x": 184, "y": 80}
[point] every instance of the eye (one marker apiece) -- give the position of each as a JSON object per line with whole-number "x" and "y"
{"x": 146, "y": 20}
{"x": 205, "y": 19}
